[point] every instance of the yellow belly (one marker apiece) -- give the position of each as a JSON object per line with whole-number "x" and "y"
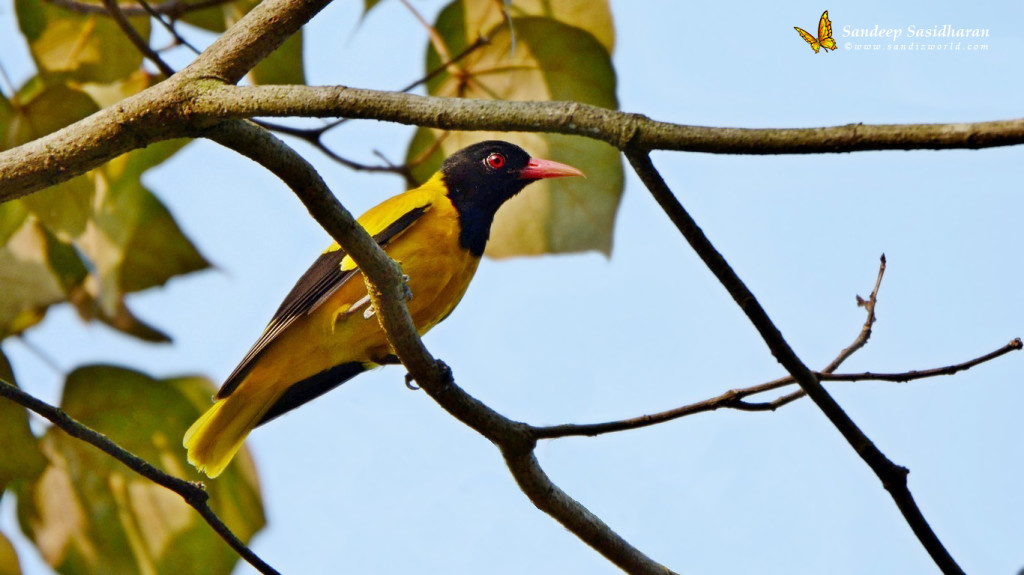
{"x": 439, "y": 272}
{"x": 333, "y": 334}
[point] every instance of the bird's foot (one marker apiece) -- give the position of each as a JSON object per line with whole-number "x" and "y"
{"x": 406, "y": 290}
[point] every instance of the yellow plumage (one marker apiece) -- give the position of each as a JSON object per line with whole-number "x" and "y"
{"x": 439, "y": 272}
{"x": 323, "y": 333}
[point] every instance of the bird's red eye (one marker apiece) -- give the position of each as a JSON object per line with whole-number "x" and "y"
{"x": 495, "y": 161}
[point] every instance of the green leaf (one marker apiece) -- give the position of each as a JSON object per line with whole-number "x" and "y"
{"x": 462, "y": 21}
{"x": 41, "y": 108}
{"x": 8, "y": 557}
{"x": 549, "y": 60}
{"x": 6, "y": 113}
{"x": 85, "y": 47}
{"x": 88, "y": 513}
{"x": 108, "y": 94}
{"x": 212, "y": 19}
{"x": 12, "y": 216}
{"x": 65, "y": 208}
{"x": 282, "y": 66}
{"x": 30, "y": 284}
{"x": 369, "y": 5}
{"x": 134, "y": 242}
{"x": 22, "y": 458}
{"x": 130, "y": 240}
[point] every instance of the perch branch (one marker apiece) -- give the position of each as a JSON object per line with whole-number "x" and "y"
{"x": 384, "y": 281}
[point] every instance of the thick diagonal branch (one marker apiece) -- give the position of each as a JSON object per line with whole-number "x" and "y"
{"x": 892, "y": 476}
{"x": 387, "y": 290}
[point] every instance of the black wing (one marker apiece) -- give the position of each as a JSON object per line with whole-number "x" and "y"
{"x": 321, "y": 280}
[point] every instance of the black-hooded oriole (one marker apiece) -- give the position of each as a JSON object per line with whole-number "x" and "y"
{"x": 324, "y": 332}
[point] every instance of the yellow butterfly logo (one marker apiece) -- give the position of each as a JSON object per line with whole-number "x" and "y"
{"x": 824, "y": 39}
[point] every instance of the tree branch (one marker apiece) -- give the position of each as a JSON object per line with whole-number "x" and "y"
{"x": 620, "y": 129}
{"x": 734, "y": 398}
{"x": 1014, "y": 345}
{"x": 892, "y": 476}
{"x": 386, "y": 286}
{"x": 193, "y": 493}
{"x": 190, "y": 102}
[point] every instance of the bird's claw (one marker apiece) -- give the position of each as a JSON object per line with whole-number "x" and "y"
{"x": 409, "y": 382}
{"x": 406, "y": 290}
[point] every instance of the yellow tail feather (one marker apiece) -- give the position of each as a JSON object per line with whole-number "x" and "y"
{"x": 215, "y": 438}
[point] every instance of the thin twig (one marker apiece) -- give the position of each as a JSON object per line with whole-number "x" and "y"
{"x": 734, "y": 398}
{"x": 435, "y": 39}
{"x": 169, "y": 26}
{"x": 892, "y": 476}
{"x": 860, "y": 341}
{"x": 40, "y": 353}
{"x": 315, "y": 136}
{"x": 865, "y": 332}
{"x": 193, "y": 493}
{"x": 138, "y": 41}
{"x": 1014, "y": 345}
{"x": 480, "y": 42}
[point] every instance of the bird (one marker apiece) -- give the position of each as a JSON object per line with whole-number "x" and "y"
{"x": 324, "y": 332}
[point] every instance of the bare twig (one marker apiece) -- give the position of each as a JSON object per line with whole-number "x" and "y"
{"x": 892, "y": 476}
{"x": 435, "y": 39}
{"x": 169, "y": 26}
{"x": 480, "y": 42}
{"x": 860, "y": 341}
{"x": 865, "y": 332}
{"x": 315, "y": 136}
{"x": 41, "y": 353}
{"x": 138, "y": 41}
{"x": 193, "y": 493}
{"x": 734, "y": 398}
{"x": 1014, "y": 345}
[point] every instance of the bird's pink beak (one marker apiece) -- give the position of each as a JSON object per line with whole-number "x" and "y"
{"x": 538, "y": 169}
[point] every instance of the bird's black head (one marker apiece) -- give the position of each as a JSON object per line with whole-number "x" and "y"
{"x": 482, "y": 177}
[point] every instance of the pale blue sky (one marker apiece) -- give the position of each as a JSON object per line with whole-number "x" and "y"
{"x": 374, "y": 478}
